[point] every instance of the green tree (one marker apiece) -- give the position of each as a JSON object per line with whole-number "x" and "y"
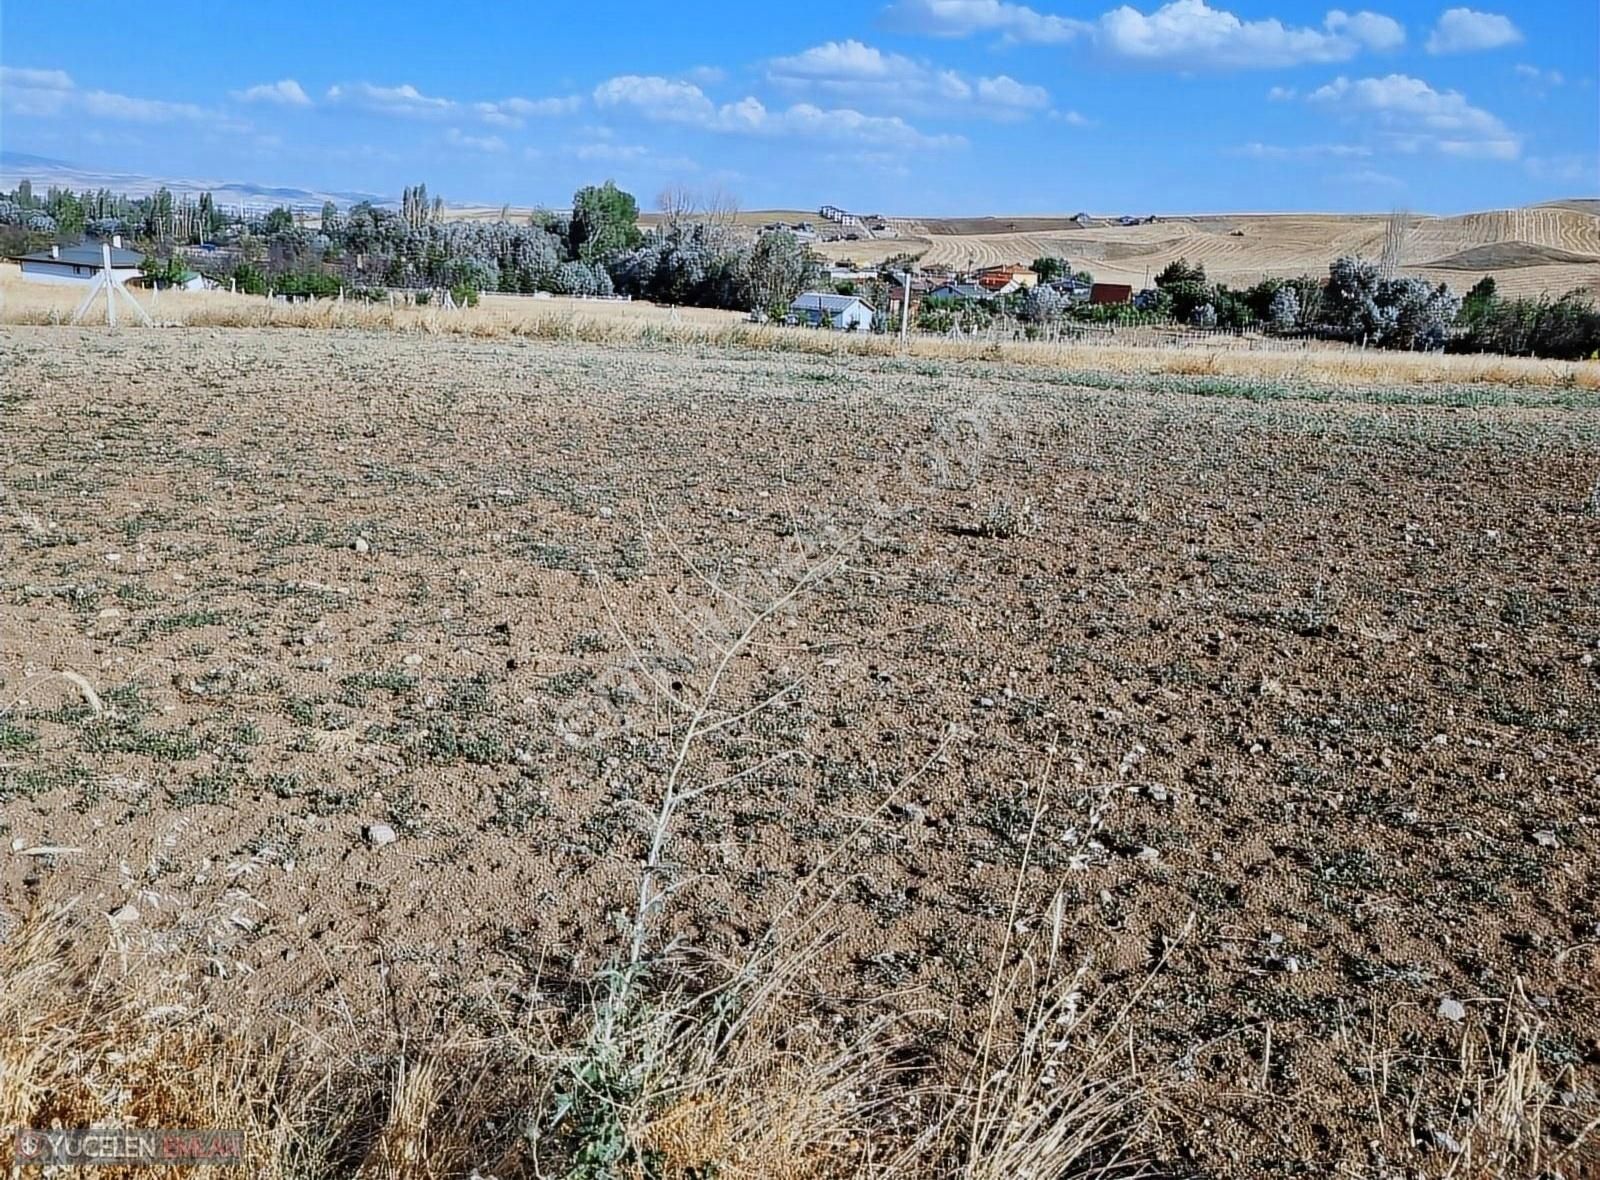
{"x": 605, "y": 222}
{"x": 163, "y": 272}
{"x": 1188, "y": 297}
{"x": 158, "y": 215}
{"x": 69, "y": 214}
{"x": 780, "y": 268}
{"x": 1049, "y": 269}
{"x": 249, "y": 279}
{"x": 1180, "y": 271}
{"x": 1478, "y": 304}
{"x": 279, "y": 221}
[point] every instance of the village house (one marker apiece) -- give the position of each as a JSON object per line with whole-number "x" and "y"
{"x": 1008, "y": 278}
{"x": 1110, "y": 293}
{"x": 961, "y": 291}
{"x": 849, "y": 313}
{"x": 79, "y": 264}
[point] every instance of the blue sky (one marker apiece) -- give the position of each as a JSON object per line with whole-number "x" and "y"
{"x": 903, "y": 106}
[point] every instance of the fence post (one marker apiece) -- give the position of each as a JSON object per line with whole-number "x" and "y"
{"x": 111, "y": 296}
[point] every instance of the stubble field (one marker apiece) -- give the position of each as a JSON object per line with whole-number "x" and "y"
{"x": 1254, "y": 727}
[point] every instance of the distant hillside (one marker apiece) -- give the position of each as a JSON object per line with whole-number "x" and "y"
{"x": 1545, "y": 249}
{"x": 1510, "y": 256}
{"x": 43, "y": 171}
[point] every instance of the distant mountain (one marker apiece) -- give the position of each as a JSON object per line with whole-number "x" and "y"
{"x": 42, "y": 172}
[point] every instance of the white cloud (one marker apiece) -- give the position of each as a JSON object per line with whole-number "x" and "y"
{"x": 1184, "y": 34}
{"x": 1282, "y": 94}
{"x": 39, "y": 93}
{"x": 663, "y": 99}
{"x": 107, "y": 105}
{"x": 1412, "y": 116}
{"x": 1005, "y": 93}
{"x": 407, "y": 102}
{"x": 1372, "y": 30}
{"x": 670, "y": 101}
{"x": 1191, "y": 35}
{"x": 49, "y": 93}
{"x": 286, "y": 93}
{"x": 1547, "y": 79}
{"x": 844, "y": 124}
{"x": 35, "y": 79}
{"x": 850, "y": 70}
{"x": 841, "y": 60}
{"x": 542, "y": 107}
{"x": 404, "y": 100}
{"x": 1574, "y": 170}
{"x": 632, "y": 156}
{"x": 1464, "y": 30}
{"x": 1306, "y": 151}
{"x": 476, "y": 143}
{"x": 511, "y": 112}
{"x": 963, "y": 18}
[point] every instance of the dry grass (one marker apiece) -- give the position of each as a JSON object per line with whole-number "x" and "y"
{"x": 80, "y": 1048}
{"x": 677, "y": 1082}
{"x": 631, "y": 323}
{"x": 1057, "y": 1103}
{"x": 684, "y": 1085}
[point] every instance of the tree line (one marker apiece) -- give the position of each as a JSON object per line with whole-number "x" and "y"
{"x": 597, "y": 249}
{"x": 1359, "y": 303}
{"x": 700, "y": 257}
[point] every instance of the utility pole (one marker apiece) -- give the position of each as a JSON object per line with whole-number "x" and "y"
{"x": 905, "y": 307}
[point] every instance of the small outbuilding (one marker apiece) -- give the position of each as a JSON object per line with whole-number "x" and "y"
{"x": 1111, "y": 293}
{"x": 79, "y": 264}
{"x": 849, "y": 313}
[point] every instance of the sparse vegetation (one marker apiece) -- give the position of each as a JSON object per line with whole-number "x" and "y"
{"x": 1060, "y": 762}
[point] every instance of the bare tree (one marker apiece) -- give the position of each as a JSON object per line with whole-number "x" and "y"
{"x": 676, "y": 204}
{"x": 721, "y": 206}
{"x": 1394, "y": 243}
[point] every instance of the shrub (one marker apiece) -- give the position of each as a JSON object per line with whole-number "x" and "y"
{"x": 1042, "y": 305}
{"x": 1284, "y": 312}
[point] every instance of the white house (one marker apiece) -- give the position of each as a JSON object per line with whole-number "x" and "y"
{"x": 79, "y": 264}
{"x": 849, "y": 313}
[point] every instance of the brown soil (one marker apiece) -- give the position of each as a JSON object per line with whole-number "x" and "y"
{"x": 1322, "y": 673}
